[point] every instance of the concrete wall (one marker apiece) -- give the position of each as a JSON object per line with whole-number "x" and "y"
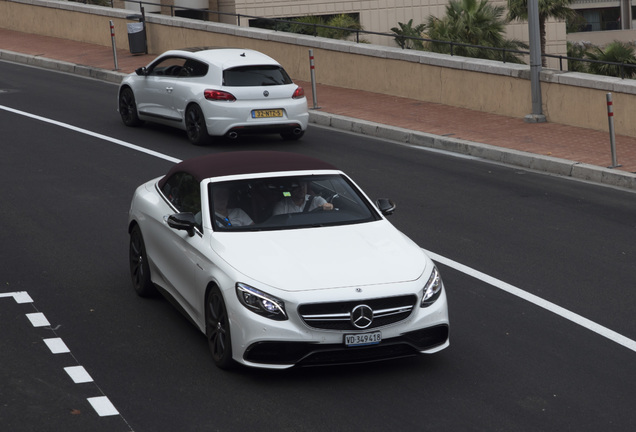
{"x": 602, "y": 38}
{"x": 568, "y": 98}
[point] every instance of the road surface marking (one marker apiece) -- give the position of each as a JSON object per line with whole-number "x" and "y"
{"x": 38, "y": 319}
{"x": 93, "y": 134}
{"x": 103, "y": 406}
{"x": 538, "y": 301}
{"x": 19, "y": 297}
{"x": 78, "y": 374}
{"x": 56, "y": 345}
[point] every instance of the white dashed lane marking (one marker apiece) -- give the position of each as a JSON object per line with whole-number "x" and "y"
{"x": 101, "y": 404}
{"x": 38, "y": 319}
{"x": 78, "y": 374}
{"x": 56, "y": 345}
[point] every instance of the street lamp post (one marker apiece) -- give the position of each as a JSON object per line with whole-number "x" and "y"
{"x": 535, "y": 63}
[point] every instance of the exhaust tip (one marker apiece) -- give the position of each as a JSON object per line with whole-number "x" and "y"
{"x": 232, "y": 135}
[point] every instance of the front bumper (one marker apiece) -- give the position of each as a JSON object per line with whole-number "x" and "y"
{"x": 285, "y": 344}
{"x": 430, "y": 339}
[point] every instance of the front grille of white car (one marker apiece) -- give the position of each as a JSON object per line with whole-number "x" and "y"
{"x": 338, "y": 315}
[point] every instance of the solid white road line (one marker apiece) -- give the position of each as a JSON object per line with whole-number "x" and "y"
{"x": 538, "y": 301}
{"x": 93, "y": 134}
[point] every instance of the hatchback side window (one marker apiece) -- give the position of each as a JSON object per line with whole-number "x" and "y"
{"x": 171, "y": 66}
{"x": 193, "y": 69}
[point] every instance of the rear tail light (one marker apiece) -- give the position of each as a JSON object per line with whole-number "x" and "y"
{"x": 299, "y": 93}
{"x": 218, "y": 95}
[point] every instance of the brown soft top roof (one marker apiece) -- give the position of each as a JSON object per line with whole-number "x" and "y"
{"x": 246, "y": 162}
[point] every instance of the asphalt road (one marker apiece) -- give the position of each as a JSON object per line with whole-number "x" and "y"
{"x": 512, "y": 365}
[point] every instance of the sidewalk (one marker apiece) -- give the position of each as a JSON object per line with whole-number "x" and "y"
{"x": 543, "y": 144}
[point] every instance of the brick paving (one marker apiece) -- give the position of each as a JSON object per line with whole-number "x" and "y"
{"x": 566, "y": 142}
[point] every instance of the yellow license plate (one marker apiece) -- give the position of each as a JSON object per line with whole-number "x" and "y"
{"x": 267, "y": 113}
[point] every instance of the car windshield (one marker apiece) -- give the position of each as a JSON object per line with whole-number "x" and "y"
{"x": 250, "y": 76}
{"x": 287, "y": 203}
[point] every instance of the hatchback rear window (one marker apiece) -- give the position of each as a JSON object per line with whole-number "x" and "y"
{"x": 249, "y": 76}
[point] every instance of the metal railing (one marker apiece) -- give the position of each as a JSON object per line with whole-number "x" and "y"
{"x": 279, "y": 25}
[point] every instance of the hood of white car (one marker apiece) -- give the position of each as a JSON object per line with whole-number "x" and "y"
{"x": 326, "y": 257}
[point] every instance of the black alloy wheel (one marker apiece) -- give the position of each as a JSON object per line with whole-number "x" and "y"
{"x": 217, "y": 329}
{"x": 139, "y": 268}
{"x": 128, "y": 108}
{"x": 195, "y": 126}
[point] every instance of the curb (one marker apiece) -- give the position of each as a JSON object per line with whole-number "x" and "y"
{"x": 546, "y": 164}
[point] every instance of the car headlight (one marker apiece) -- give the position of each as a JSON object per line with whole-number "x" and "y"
{"x": 432, "y": 289}
{"x": 261, "y": 303}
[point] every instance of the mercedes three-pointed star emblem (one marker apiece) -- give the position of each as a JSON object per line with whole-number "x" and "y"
{"x": 362, "y": 316}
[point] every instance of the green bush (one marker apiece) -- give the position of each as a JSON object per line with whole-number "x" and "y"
{"x": 578, "y": 50}
{"x": 615, "y": 52}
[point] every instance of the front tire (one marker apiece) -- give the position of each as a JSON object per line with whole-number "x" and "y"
{"x": 217, "y": 329}
{"x": 128, "y": 108}
{"x": 139, "y": 268}
{"x": 195, "y": 126}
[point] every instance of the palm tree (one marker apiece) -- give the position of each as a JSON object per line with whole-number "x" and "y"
{"x": 560, "y": 9}
{"x": 615, "y": 52}
{"x": 476, "y": 23}
{"x": 406, "y": 32}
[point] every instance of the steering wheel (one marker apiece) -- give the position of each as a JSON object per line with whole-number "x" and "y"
{"x": 172, "y": 70}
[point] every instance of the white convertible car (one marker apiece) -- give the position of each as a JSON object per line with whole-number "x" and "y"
{"x": 281, "y": 260}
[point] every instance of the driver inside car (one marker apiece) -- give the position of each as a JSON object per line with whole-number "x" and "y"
{"x": 298, "y": 201}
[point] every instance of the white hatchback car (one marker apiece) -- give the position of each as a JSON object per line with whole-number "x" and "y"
{"x": 211, "y": 92}
{"x": 281, "y": 260}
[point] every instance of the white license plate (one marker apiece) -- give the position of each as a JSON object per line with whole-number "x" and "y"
{"x": 362, "y": 339}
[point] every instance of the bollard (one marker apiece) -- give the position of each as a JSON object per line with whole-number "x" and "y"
{"x": 313, "y": 79}
{"x": 610, "y": 119}
{"x": 112, "y": 38}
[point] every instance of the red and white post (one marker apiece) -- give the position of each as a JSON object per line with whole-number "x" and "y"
{"x": 313, "y": 79}
{"x": 610, "y": 118}
{"x": 112, "y": 38}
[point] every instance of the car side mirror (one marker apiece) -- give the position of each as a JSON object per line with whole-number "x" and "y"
{"x": 141, "y": 71}
{"x": 183, "y": 221}
{"x": 386, "y": 206}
